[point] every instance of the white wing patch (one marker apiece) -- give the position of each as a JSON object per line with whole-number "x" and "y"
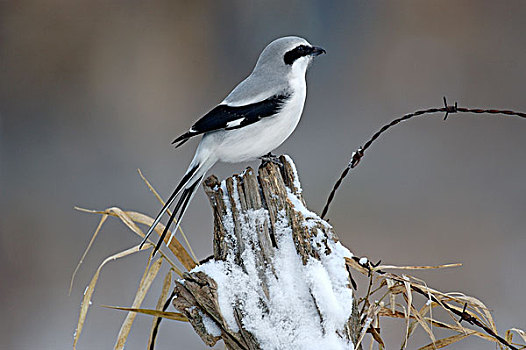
{"x": 234, "y": 123}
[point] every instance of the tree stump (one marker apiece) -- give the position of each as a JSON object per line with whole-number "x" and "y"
{"x": 278, "y": 278}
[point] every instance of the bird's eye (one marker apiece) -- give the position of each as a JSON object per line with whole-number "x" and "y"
{"x": 297, "y": 52}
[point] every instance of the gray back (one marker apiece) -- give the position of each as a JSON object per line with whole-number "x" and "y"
{"x": 270, "y": 74}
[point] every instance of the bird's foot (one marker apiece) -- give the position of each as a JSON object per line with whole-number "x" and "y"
{"x": 270, "y": 158}
{"x": 205, "y": 260}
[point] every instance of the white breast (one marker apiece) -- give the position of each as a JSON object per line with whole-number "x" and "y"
{"x": 262, "y": 137}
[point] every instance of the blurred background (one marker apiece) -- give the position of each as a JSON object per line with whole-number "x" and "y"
{"x": 93, "y": 90}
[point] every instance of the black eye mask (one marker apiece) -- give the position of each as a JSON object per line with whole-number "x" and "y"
{"x": 297, "y": 52}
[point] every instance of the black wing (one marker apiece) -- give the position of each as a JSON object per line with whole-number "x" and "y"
{"x": 229, "y": 117}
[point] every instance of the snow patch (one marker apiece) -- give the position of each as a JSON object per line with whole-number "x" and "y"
{"x": 295, "y": 171}
{"x": 210, "y": 325}
{"x": 288, "y": 318}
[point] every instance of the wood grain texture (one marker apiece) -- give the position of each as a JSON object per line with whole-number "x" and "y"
{"x": 233, "y": 203}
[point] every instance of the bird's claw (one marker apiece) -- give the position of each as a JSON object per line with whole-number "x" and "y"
{"x": 270, "y": 158}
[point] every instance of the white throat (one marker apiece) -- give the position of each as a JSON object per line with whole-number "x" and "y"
{"x": 299, "y": 68}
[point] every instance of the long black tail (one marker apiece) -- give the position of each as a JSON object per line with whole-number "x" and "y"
{"x": 180, "y": 207}
{"x": 184, "y": 181}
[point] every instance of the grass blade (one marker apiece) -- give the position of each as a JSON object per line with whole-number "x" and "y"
{"x": 95, "y": 234}
{"x": 146, "y": 282}
{"x": 176, "y": 316}
{"x": 156, "y": 321}
{"x": 442, "y": 343}
{"x": 394, "y": 267}
{"x": 84, "y": 305}
{"x": 129, "y": 218}
{"x": 520, "y": 332}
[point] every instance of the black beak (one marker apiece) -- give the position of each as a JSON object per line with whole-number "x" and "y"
{"x": 316, "y": 51}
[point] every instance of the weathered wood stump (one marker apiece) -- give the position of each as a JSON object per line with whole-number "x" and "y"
{"x": 278, "y": 278}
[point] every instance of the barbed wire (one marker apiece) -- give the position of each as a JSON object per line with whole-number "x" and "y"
{"x": 358, "y": 154}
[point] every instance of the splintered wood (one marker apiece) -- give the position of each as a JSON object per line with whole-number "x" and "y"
{"x": 258, "y": 220}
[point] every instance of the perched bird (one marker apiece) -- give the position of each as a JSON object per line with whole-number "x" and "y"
{"x": 254, "y": 119}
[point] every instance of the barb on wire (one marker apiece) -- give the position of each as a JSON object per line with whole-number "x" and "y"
{"x": 434, "y": 296}
{"x": 465, "y": 316}
{"x": 357, "y": 155}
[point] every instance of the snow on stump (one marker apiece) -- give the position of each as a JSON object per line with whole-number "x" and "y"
{"x": 278, "y": 278}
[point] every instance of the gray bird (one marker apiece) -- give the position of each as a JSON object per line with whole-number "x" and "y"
{"x": 254, "y": 119}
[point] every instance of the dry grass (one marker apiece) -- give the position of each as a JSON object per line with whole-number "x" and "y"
{"x": 183, "y": 261}
{"x": 393, "y": 295}
{"x": 388, "y": 295}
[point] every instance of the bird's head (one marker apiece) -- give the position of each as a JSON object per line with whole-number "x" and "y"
{"x": 290, "y": 54}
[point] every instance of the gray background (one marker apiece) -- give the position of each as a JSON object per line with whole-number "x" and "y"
{"x": 93, "y": 90}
